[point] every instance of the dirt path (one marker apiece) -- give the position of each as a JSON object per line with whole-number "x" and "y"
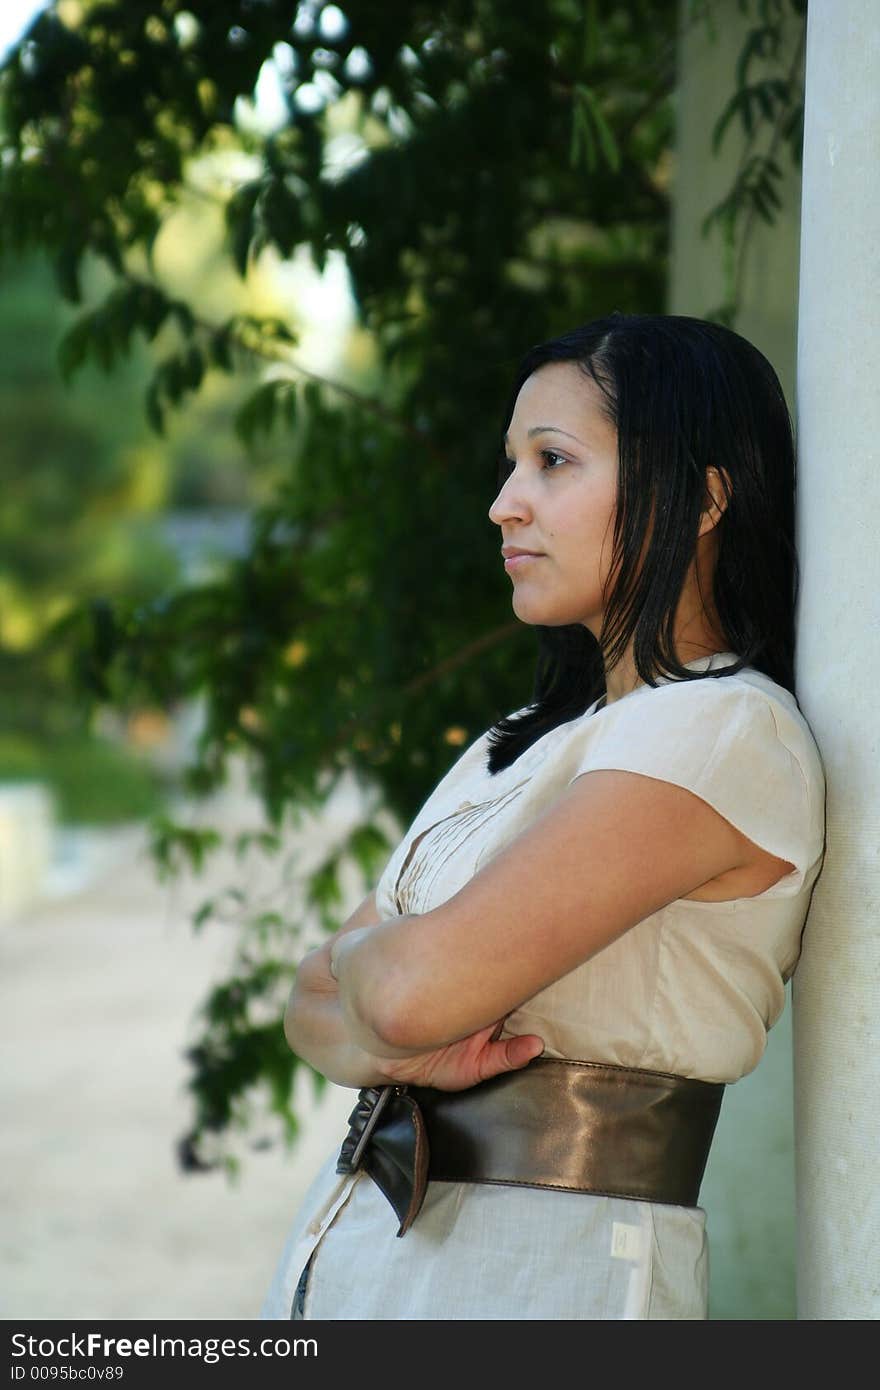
{"x": 98, "y": 1221}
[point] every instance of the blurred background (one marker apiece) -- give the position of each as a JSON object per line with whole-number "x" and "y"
{"x": 266, "y": 270}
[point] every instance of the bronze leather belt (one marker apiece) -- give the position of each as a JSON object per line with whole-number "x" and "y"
{"x": 573, "y": 1126}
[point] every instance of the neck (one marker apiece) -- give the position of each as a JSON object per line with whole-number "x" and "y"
{"x": 623, "y": 677}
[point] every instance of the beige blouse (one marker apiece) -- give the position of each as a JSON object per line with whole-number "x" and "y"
{"x": 692, "y": 989}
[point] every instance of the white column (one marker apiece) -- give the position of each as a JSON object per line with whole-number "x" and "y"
{"x": 27, "y": 816}
{"x": 837, "y": 985}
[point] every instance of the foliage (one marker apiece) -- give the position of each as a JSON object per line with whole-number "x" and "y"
{"x": 77, "y": 517}
{"x": 491, "y": 174}
{"x": 94, "y": 782}
{"x": 82, "y": 515}
{"x": 766, "y": 97}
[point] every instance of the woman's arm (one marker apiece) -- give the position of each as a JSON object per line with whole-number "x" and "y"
{"x": 313, "y": 1022}
{"x": 317, "y": 1030}
{"x": 616, "y": 847}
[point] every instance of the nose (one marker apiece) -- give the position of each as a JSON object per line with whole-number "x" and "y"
{"x": 511, "y": 503}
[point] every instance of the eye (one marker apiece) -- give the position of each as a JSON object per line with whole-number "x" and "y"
{"x": 552, "y": 460}
{"x": 551, "y": 454}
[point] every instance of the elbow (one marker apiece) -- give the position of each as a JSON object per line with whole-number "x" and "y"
{"x": 392, "y": 992}
{"x": 390, "y": 1012}
{"x": 372, "y": 1016}
{"x": 391, "y": 1026}
{"x": 402, "y": 1018}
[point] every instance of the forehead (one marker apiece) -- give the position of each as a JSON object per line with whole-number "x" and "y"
{"x": 561, "y": 395}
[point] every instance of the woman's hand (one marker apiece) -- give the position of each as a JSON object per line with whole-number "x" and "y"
{"x": 460, "y": 1065}
{"x": 316, "y": 1030}
{"x": 452, "y": 1066}
{"x": 342, "y": 943}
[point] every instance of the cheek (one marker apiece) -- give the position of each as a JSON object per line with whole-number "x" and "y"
{"x": 585, "y": 528}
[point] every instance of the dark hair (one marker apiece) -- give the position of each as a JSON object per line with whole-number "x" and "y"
{"x": 682, "y": 393}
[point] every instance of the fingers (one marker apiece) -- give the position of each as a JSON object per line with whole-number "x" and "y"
{"x": 524, "y": 1049}
{"x": 513, "y": 1053}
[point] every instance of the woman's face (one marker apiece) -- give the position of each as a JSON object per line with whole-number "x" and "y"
{"x": 559, "y": 498}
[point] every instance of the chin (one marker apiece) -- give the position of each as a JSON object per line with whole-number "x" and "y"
{"x": 528, "y": 612}
{"x": 541, "y": 614}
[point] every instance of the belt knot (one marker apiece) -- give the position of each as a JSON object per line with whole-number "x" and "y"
{"x": 388, "y": 1139}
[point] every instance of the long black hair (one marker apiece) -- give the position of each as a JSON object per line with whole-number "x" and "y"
{"x": 682, "y": 393}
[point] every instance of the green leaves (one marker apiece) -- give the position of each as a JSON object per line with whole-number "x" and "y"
{"x": 755, "y": 187}
{"x": 179, "y": 374}
{"x": 325, "y": 893}
{"x": 240, "y": 211}
{"x": 104, "y": 335}
{"x": 771, "y": 107}
{"x": 240, "y": 1058}
{"x": 592, "y": 138}
{"x": 272, "y": 400}
{"x": 176, "y": 846}
{"x": 749, "y": 103}
{"x": 369, "y": 846}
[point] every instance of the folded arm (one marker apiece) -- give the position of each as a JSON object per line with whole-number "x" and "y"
{"x": 313, "y": 1023}
{"x": 613, "y": 849}
{"x": 317, "y": 1030}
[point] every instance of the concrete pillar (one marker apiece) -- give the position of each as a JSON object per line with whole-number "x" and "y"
{"x": 837, "y": 985}
{"x": 27, "y": 816}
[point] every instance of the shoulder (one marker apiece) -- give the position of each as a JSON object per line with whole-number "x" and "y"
{"x": 739, "y": 742}
{"x": 747, "y": 715}
{"x": 767, "y": 722}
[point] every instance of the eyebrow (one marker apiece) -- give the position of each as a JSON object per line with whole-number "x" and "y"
{"x": 546, "y": 429}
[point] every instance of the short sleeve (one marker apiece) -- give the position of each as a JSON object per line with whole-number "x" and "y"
{"x": 721, "y": 739}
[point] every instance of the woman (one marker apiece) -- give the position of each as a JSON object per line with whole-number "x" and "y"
{"x": 587, "y": 929}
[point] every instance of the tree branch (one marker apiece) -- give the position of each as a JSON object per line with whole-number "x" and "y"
{"x": 279, "y": 354}
{"x": 774, "y": 142}
{"x": 428, "y": 678}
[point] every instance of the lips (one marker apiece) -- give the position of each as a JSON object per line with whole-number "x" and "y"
{"x": 510, "y": 552}
{"x": 521, "y": 559}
